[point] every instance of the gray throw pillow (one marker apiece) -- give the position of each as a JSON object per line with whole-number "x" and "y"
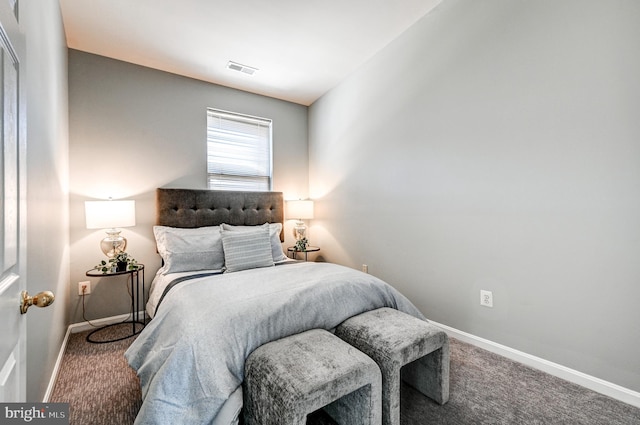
{"x": 274, "y": 233}
{"x": 247, "y": 249}
{"x": 185, "y": 250}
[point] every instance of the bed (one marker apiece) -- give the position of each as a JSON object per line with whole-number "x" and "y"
{"x": 224, "y": 289}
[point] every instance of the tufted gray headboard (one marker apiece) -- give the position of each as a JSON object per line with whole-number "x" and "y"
{"x": 199, "y": 208}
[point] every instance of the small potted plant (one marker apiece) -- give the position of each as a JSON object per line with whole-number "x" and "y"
{"x": 301, "y": 244}
{"x": 120, "y": 263}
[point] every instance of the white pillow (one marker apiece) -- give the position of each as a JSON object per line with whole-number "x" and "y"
{"x": 185, "y": 250}
{"x": 274, "y": 232}
{"x": 248, "y": 249}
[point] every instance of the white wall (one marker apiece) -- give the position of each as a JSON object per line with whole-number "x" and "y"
{"x": 133, "y": 129}
{"x": 47, "y": 187}
{"x": 496, "y": 145}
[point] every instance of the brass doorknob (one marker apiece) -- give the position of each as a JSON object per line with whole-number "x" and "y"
{"x": 41, "y": 299}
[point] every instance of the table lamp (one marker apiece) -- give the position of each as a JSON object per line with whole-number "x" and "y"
{"x": 110, "y": 215}
{"x": 300, "y": 210}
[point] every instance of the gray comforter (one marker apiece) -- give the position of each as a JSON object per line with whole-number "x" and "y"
{"x": 190, "y": 357}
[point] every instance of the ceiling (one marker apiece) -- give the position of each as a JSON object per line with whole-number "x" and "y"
{"x": 302, "y": 48}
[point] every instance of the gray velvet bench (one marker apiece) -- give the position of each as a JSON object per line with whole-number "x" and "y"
{"x": 405, "y": 348}
{"x": 287, "y": 379}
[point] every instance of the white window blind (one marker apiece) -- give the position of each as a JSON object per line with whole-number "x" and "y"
{"x": 238, "y": 151}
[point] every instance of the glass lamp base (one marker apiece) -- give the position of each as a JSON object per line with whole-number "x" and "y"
{"x": 300, "y": 230}
{"x": 113, "y": 244}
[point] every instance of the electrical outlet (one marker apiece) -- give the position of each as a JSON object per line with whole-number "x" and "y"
{"x": 84, "y": 288}
{"x": 486, "y": 298}
{"x": 365, "y": 268}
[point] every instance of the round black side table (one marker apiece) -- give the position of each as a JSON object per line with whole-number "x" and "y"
{"x": 134, "y": 277}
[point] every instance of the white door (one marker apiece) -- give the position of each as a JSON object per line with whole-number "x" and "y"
{"x": 12, "y": 209}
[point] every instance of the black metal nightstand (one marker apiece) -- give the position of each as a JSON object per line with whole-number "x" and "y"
{"x": 294, "y": 251}
{"x": 134, "y": 278}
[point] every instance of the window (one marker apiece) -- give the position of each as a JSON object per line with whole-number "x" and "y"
{"x": 238, "y": 151}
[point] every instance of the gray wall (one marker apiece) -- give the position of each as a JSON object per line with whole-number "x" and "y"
{"x": 496, "y": 145}
{"x": 47, "y": 187}
{"x": 133, "y": 129}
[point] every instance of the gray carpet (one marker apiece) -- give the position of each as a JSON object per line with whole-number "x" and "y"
{"x": 96, "y": 380}
{"x": 485, "y": 389}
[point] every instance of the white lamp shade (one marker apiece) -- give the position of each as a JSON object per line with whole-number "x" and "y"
{"x": 300, "y": 210}
{"x": 110, "y": 214}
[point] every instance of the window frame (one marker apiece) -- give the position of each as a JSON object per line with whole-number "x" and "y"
{"x": 240, "y": 178}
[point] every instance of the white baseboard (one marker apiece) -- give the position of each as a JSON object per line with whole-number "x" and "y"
{"x": 85, "y": 326}
{"x": 601, "y": 386}
{"x": 75, "y": 328}
{"x": 56, "y": 367}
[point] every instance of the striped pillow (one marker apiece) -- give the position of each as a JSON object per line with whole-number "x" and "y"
{"x": 274, "y": 233}
{"x": 247, "y": 250}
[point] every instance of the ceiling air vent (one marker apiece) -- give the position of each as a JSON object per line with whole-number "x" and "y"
{"x": 241, "y": 68}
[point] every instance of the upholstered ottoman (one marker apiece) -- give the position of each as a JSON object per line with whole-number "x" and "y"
{"x": 287, "y": 379}
{"x": 404, "y": 347}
